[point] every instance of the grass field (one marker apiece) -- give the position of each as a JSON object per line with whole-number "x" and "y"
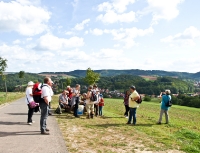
{"x": 10, "y": 97}
{"x": 111, "y": 134}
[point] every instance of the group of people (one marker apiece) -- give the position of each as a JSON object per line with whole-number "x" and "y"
{"x": 71, "y": 98}
{"x": 131, "y": 105}
{"x": 93, "y": 102}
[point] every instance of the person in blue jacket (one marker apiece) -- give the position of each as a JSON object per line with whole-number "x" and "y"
{"x": 164, "y": 109}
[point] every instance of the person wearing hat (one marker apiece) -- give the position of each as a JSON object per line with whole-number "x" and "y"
{"x": 28, "y": 99}
{"x": 133, "y": 105}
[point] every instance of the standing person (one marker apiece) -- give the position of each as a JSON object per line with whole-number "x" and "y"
{"x": 89, "y": 103}
{"x": 75, "y": 98}
{"x": 164, "y": 109}
{"x": 49, "y": 113}
{"x": 28, "y": 99}
{"x": 44, "y": 104}
{"x": 96, "y": 105}
{"x": 126, "y": 99}
{"x": 69, "y": 89}
{"x": 101, "y": 104}
{"x": 133, "y": 105}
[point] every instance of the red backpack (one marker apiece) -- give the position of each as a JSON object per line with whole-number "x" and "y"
{"x": 37, "y": 89}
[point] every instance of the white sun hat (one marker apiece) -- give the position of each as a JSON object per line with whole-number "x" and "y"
{"x": 30, "y": 83}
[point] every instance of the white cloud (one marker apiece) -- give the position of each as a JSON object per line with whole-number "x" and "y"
{"x": 96, "y": 32}
{"x": 162, "y": 9}
{"x": 23, "y": 18}
{"x": 17, "y": 41}
{"x": 80, "y": 26}
{"x": 128, "y": 35}
{"x": 51, "y": 42}
{"x": 112, "y": 17}
{"x": 115, "y": 12}
{"x": 116, "y": 5}
{"x": 69, "y": 33}
{"x": 186, "y": 38}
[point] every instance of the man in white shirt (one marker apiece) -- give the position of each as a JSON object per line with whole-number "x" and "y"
{"x": 44, "y": 104}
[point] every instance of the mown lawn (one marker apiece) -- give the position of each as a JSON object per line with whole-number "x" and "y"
{"x": 11, "y": 96}
{"x": 111, "y": 134}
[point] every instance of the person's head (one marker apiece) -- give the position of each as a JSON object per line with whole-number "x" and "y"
{"x": 101, "y": 96}
{"x": 65, "y": 92}
{"x": 30, "y": 84}
{"x": 127, "y": 92}
{"x": 84, "y": 95}
{"x": 94, "y": 86}
{"x": 132, "y": 89}
{"x": 90, "y": 87}
{"x": 77, "y": 86}
{"x": 68, "y": 87}
{"x": 168, "y": 92}
{"x": 48, "y": 81}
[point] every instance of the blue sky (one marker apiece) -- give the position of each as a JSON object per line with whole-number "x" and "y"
{"x": 65, "y": 35}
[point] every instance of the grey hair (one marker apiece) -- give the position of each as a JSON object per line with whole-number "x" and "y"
{"x": 168, "y": 92}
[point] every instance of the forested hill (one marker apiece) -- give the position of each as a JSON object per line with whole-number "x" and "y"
{"x": 123, "y": 82}
{"x": 135, "y": 72}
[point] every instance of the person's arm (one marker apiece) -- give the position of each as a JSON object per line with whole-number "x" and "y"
{"x": 88, "y": 95}
{"x": 46, "y": 100}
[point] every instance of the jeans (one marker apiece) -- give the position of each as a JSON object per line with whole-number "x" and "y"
{"x": 44, "y": 114}
{"x": 127, "y": 109}
{"x": 96, "y": 109}
{"x": 100, "y": 110}
{"x": 162, "y": 111}
{"x": 132, "y": 114}
{"x": 76, "y": 100}
{"x": 30, "y": 114}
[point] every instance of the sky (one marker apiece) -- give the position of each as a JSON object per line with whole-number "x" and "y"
{"x": 66, "y": 35}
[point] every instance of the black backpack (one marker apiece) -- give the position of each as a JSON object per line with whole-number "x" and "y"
{"x": 93, "y": 96}
{"x": 169, "y": 102}
{"x": 139, "y": 101}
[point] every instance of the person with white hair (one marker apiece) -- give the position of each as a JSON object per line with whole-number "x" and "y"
{"x": 164, "y": 108}
{"x": 28, "y": 99}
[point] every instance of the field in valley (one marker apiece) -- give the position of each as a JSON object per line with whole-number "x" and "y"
{"x": 111, "y": 134}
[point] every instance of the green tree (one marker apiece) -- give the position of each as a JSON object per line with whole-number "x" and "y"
{"x": 21, "y": 76}
{"x": 3, "y": 66}
{"x": 68, "y": 81}
{"x": 91, "y": 77}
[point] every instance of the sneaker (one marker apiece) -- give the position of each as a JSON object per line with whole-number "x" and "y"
{"x": 126, "y": 117}
{"x": 45, "y": 133}
{"x": 29, "y": 123}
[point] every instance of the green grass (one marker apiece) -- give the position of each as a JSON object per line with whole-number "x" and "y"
{"x": 11, "y": 96}
{"x": 183, "y": 132}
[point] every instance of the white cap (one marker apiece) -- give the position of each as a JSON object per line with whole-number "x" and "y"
{"x": 30, "y": 83}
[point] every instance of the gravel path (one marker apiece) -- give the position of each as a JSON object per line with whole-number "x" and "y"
{"x": 18, "y": 137}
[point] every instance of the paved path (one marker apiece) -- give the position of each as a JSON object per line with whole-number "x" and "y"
{"x": 18, "y": 137}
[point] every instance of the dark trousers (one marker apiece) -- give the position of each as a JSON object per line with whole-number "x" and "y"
{"x": 96, "y": 109}
{"x": 30, "y": 114}
{"x": 132, "y": 115}
{"x": 44, "y": 114}
{"x": 76, "y": 101}
{"x": 126, "y": 110}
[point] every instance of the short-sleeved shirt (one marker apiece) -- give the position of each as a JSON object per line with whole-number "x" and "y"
{"x": 133, "y": 104}
{"x": 63, "y": 98}
{"x": 46, "y": 92}
{"x": 29, "y": 98}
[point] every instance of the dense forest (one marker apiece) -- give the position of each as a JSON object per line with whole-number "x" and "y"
{"x": 122, "y": 82}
